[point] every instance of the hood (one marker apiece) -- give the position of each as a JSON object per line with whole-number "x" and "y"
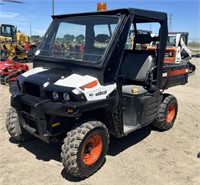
{"x": 41, "y": 75}
{"x": 64, "y": 81}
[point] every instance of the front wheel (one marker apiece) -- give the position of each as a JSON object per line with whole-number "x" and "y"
{"x": 167, "y": 113}
{"x": 84, "y": 149}
{"x": 16, "y": 132}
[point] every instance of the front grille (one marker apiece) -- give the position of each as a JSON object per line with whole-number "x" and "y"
{"x": 32, "y": 89}
{"x": 30, "y": 121}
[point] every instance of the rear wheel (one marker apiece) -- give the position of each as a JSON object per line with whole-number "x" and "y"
{"x": 16, "y": 132}
{"x": 85, "y": 148}
{"x": 166, "y": 114}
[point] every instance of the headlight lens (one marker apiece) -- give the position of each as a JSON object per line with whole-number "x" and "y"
{"x": 66, "y": 97}
{"x": 55, "y": 95}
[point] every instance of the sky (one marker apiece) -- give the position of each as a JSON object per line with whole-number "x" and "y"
{"x": 34, "y": 16}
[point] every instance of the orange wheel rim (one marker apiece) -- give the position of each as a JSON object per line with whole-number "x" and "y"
{"x": 92, "y": 149}
{"x": 170, "y": 113}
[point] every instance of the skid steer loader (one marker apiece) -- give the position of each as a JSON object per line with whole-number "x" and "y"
{"x": 176, "y": 49}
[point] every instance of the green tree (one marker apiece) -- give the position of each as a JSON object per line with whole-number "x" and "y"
{"x": 194, "y": 44}
{"x": 80, "y": 38}
{"x": 69, "y": 38}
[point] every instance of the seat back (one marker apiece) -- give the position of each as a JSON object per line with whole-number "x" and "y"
{"x": 142, "y": 39}
{"x": 136, "y": 66}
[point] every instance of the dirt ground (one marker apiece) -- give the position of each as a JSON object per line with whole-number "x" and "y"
{"x": 145, "y": 157}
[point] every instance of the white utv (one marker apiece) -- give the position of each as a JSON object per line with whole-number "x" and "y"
{"x": 86, "y": 84}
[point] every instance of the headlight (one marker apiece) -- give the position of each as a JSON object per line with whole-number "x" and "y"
{"x": 55, "y": 95}
{"x": 66, "y": 97}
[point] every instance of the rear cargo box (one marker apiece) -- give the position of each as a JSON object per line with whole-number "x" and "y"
{"x": 174, "y": 74}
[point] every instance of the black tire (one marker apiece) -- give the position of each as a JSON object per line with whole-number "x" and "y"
{"x": 167, "y": 113}
{"x": 2, "y": 79}
{"x": 85, "y": 148}
{"x": 16, "y": 132}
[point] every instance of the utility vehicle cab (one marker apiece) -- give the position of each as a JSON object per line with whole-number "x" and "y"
{"x": 87, "y": 83}
{"x": 7, "y": 33}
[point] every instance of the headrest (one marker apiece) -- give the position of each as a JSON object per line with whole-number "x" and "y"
{"x": 102, "y": 38}
{"x": 142, "y": 38}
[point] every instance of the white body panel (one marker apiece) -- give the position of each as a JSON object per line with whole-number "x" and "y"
{"x": 34, "y": 71}
{"x": 97, "y": 92}
{"x": 74, "y": 80}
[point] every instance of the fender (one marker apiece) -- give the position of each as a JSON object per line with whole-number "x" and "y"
{"x": 88, "y": 85}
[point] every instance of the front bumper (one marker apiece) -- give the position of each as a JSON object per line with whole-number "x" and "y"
{"x": 35, "y": 110}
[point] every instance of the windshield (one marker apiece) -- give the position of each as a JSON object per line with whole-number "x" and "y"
{"x": 79, "y": 38}
{"x": 8, "y": 31}
{"x": 171, "y": 41}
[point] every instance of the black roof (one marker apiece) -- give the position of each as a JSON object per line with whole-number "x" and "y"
{"x": 138, "y": 13}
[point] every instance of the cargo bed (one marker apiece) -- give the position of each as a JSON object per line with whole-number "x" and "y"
{"x": 176, "y": 74}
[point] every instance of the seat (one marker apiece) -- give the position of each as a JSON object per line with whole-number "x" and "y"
{"x": 96, "y": 53}
{"x": 136, "y": 70}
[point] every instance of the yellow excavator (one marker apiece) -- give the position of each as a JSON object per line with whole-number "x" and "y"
{"x": 11, "y": 43}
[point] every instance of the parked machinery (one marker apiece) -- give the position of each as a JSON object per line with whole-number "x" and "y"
{"x": 176, "y": 49}
{"x": 10, "y": 43}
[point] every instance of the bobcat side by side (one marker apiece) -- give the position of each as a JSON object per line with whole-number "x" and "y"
{"x": 87, "y": 84}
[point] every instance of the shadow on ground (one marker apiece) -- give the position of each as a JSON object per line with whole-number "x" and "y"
{"x": 118, "y": 145}
{"x": 41, "y": 150}
{"x": 47, "y": 152}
